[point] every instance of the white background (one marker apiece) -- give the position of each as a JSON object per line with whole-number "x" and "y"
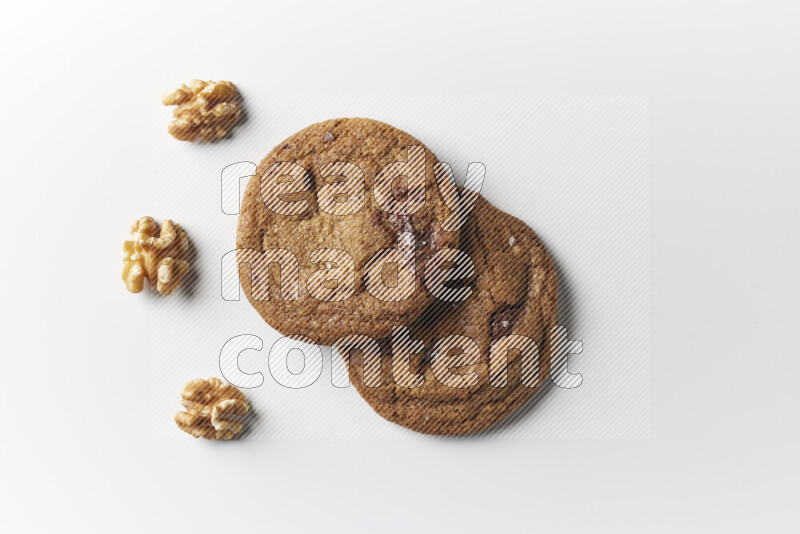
{"x": 79, "y": 451}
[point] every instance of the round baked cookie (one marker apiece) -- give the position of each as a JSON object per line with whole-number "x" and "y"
{"x": 514, "y": 293}
{"x": 340, "y": 212}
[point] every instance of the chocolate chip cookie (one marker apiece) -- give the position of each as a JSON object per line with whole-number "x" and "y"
{"x": 330, "y": 199}
{"x": 452, "y": 386}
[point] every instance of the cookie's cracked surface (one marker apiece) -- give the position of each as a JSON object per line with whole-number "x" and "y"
{"x": 366, "y": 146}
{"x": 514, "y": 292}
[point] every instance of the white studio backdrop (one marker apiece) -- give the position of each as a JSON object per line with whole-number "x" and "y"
{"x": 92, "y": 374}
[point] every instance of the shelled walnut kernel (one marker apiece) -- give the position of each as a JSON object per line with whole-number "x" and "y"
{"x": 158, "y": 256}
{"x": 214, "y": 409}
{"x": 207, "y": 110}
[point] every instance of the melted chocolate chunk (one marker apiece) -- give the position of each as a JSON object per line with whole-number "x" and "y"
{"x": 459, "y": 283}
{"x": 426, "y": 242}
{"x": 502, "y": 321}
{"x": 400, "y": 192}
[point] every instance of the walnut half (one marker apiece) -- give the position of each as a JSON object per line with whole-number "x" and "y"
{"x": 157, "y": 255}
{"x": 206, "y": 110}
{"x": 214, "y": 409}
